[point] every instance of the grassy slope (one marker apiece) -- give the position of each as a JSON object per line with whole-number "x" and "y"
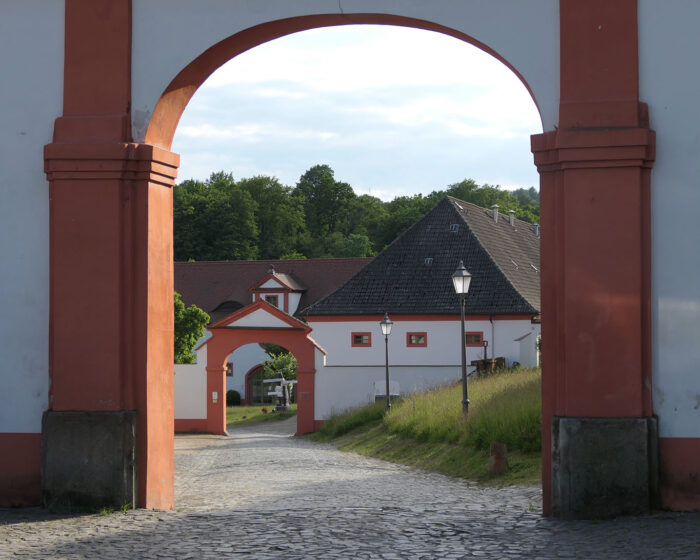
{"x": 428, "y": 430}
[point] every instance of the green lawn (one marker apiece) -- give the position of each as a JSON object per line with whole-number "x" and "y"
{"x": 241, "y": 415}
{"x": 427, "y": 430}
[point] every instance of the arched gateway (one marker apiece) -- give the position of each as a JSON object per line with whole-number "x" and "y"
{"x": 260, "y": 322}
{"x": 129, "y": 68}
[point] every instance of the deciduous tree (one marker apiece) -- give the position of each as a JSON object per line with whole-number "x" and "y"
{"x": 190, "y": 326}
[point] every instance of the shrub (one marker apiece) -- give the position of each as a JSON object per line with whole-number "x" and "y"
{"x": 233, "y": 398}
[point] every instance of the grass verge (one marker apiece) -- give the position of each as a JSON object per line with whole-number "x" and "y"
{"x": 428, "y": 431}
{"x": 243, "y": 415}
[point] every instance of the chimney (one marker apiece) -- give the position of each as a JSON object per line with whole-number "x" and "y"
{"x": 511, "y": 217}
{"x": 536, "y": 229}
{"x": 495, "y": 212}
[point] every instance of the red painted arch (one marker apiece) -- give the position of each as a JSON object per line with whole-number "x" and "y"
{"x": 177, "y": 95}
{"x": 225, "y": 340}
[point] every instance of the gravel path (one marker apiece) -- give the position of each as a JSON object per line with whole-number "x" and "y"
{"x": 263, "y": 493}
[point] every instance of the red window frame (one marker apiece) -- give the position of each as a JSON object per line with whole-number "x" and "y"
{"x": 361, "y": 345}
{"x": 269, "y": 299}
{"x": 473, "y": 333}
{"x": 410, "y": 344}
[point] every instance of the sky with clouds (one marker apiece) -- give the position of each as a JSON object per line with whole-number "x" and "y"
{"x": 393, "y": 111}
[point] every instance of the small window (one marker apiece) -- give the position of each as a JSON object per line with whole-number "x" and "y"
{"x": 454, "y": 228}
{"x": 229, "y": 369}
{"x": 474, "y": 339}
{"x": 428, "y": 261}
{"x": 273, "y": 300}
{"x": 361, "y": 339}
{"x": 416, "y": 339}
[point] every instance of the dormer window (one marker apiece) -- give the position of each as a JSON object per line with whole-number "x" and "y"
{"x": 273, "y": 300}
{"x": 454, "y": 228}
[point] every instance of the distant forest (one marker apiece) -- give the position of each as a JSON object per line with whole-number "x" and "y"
{"x": 259, "y": 218}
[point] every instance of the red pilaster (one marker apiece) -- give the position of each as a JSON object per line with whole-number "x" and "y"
{"x": 216, "y": 385}
{"x": 305, "y": 399}
{"x": 111, "y": 277}
{"x": 595, "y": 236}
{"x": 111, "y": 321}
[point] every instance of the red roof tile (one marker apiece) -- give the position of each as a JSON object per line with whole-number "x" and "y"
{"x": 208, "y": 284}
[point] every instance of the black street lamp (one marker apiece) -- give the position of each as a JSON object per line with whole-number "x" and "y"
{"x": 461, "y": 280}
{"x": 386, "y": 325}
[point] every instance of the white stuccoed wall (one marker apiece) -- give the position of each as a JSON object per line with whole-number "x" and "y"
{"x": 443, "y": 347}
{"x": 294, "y": 299}
{"x": 669, "y": 82}
{"x": 190, "y": 388}
{"x": 244, "y": 359}
{"x": 260, "y": 318}
{"x": 524, "y": 33}
{"x": 31, "y": 98}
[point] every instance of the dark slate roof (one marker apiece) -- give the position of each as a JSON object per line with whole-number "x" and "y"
{"x": 221, "y": 287}
{"x": 502, "y": 258}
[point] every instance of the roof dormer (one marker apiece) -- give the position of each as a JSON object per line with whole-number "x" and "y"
{"x": 279, "y": 289}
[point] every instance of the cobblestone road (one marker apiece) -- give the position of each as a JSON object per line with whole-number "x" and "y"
{"x": 262, "y": 493}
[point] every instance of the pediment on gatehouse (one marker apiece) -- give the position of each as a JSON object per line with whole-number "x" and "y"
{"x": 260, "y": 315}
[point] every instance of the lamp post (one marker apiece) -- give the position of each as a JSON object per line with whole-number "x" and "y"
{"x": 461, "y": 280}
{"x": 386, "y": 325}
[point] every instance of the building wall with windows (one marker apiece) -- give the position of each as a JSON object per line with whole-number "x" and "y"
{"x": 435, "y": 342}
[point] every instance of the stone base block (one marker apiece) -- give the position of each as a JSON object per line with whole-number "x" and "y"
{"x": 88, "y": 460}
{"x": 603, "y": 467}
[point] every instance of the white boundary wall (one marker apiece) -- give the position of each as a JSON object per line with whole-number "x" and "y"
{"x": 31, "y": 98}
{"x": 190, "y": 391}
{"x": 190, "y": 388}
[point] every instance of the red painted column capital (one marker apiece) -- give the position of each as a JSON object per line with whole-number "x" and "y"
{"x": 591, "y": 148}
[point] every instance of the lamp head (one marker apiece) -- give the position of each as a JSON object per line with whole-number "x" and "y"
{"x": 461, "y": 279}
{"x": 386, "y": 325}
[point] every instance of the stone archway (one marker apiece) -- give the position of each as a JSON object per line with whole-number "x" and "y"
{"x": 111, "y": 222}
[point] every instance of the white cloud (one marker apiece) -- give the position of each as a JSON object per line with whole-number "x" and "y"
{"x": 392, "y": 110}
{"x": 361, "y": 57}
{"x": 253, "y": 132}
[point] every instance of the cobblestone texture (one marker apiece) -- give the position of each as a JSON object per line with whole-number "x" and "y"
{"x": 265, "y": 494}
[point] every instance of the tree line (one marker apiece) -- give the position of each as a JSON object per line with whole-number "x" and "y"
{"x": 260, "y": 218}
